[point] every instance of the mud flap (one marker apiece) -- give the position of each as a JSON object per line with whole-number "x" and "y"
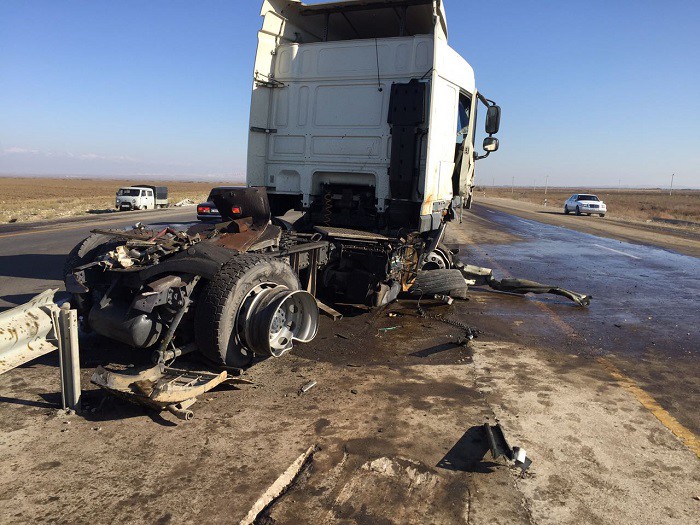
{"x": 161, "y": 387}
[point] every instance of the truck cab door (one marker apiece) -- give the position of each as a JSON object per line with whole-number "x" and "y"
{"x": 465, "y": 160}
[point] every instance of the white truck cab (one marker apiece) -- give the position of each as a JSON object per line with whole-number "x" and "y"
{"x": 362, "y": 115}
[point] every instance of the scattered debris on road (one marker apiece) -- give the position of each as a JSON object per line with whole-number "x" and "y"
{"x": 306, "y": 387}
{"x": 278, "y": 488}
{"x": 161, "y": 387}
{"x": 484, "y": 276}
{"x": 499, "y": 447}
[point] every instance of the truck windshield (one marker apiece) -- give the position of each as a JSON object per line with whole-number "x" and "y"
{"x": 127, "y": 192}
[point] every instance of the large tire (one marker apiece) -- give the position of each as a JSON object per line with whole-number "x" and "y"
{"x": 87, "y": 250}
{"x": 438, "y": 281}
{"x": 578, "y": 210}
{"x": 566, "y": 210}
{"x": 221, "y": 300}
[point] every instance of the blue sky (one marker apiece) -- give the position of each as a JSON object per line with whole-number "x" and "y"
{"x": 592, "y": 92}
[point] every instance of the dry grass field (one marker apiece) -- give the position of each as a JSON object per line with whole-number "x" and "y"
{"x": 681, "y": 208}
{"x": 35, "y": 199}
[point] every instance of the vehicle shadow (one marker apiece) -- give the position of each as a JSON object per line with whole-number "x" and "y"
{"x": 18, "y": 299}
{"x": 33, "y": 266}
{"x": 102, "y": 211}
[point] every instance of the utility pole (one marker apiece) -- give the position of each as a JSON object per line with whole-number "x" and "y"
{"x": 546, "y": 183}
{"x": 619, "y": 185}
{"x": 493, "y": 181}
{"x": 671, "y": 188}
{"x": 512, "y": 185}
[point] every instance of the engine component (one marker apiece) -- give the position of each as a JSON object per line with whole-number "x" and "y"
{"x": 117, "y": 320}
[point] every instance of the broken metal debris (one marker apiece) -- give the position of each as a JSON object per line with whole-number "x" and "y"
{"x": 330, "y": 312}
{"x": 484, "y": 276}
{"x": 469, "y": 331}
{"x": 444, "y": 298}
{"x": 306, "y": 387}
{"x": 499, "y": 447}
{"x": 142, "y": 248}
{"x": 160, "y": 387}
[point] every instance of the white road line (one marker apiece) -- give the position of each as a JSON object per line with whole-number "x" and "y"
{"x": 490, "y": 211}
{"x": 524, "y": 222}
{"x": 616, "y": 251}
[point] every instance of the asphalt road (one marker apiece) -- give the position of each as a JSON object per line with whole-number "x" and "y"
{"x": 32, "y": 256}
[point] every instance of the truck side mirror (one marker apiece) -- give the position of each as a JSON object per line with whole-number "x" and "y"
{"x": 493, "y": 119}
{"x": 490, "y": 144}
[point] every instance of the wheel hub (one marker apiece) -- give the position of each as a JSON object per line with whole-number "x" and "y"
{"x": 272, "y": 317}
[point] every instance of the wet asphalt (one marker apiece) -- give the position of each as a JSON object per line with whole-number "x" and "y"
{"x": 644, "y": 314}
{"x": 649, "y": 290}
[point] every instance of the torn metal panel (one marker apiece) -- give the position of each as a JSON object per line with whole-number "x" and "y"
{"x": 523, "y": 286}
{"x": 484, "y": 276}
{"x": 499, "y": 447}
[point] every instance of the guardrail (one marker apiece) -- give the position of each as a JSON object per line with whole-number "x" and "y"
{"x": 27, "y": 331}
{"x": 36, "y": 328}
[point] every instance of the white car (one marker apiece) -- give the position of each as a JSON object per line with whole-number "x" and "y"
{"x": 585, "y": 203}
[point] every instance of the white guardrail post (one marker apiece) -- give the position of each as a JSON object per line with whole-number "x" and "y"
{"x": 66, "y": 324}
{"x": 36, "y": 328}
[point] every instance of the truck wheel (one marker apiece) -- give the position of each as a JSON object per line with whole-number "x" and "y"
{"x": 438, "y": 281}
{"x": 87, "y": 250}
{"x": 218, "y": 322}
{"x": 439, "y": 259}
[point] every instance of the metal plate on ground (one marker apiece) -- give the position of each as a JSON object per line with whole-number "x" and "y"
{"x": 346, "y": 233}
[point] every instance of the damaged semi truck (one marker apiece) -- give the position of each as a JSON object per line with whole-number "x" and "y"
{"x": 363, "y": 118}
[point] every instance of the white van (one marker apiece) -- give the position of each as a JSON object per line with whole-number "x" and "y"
{"x": 133, "y": 198}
